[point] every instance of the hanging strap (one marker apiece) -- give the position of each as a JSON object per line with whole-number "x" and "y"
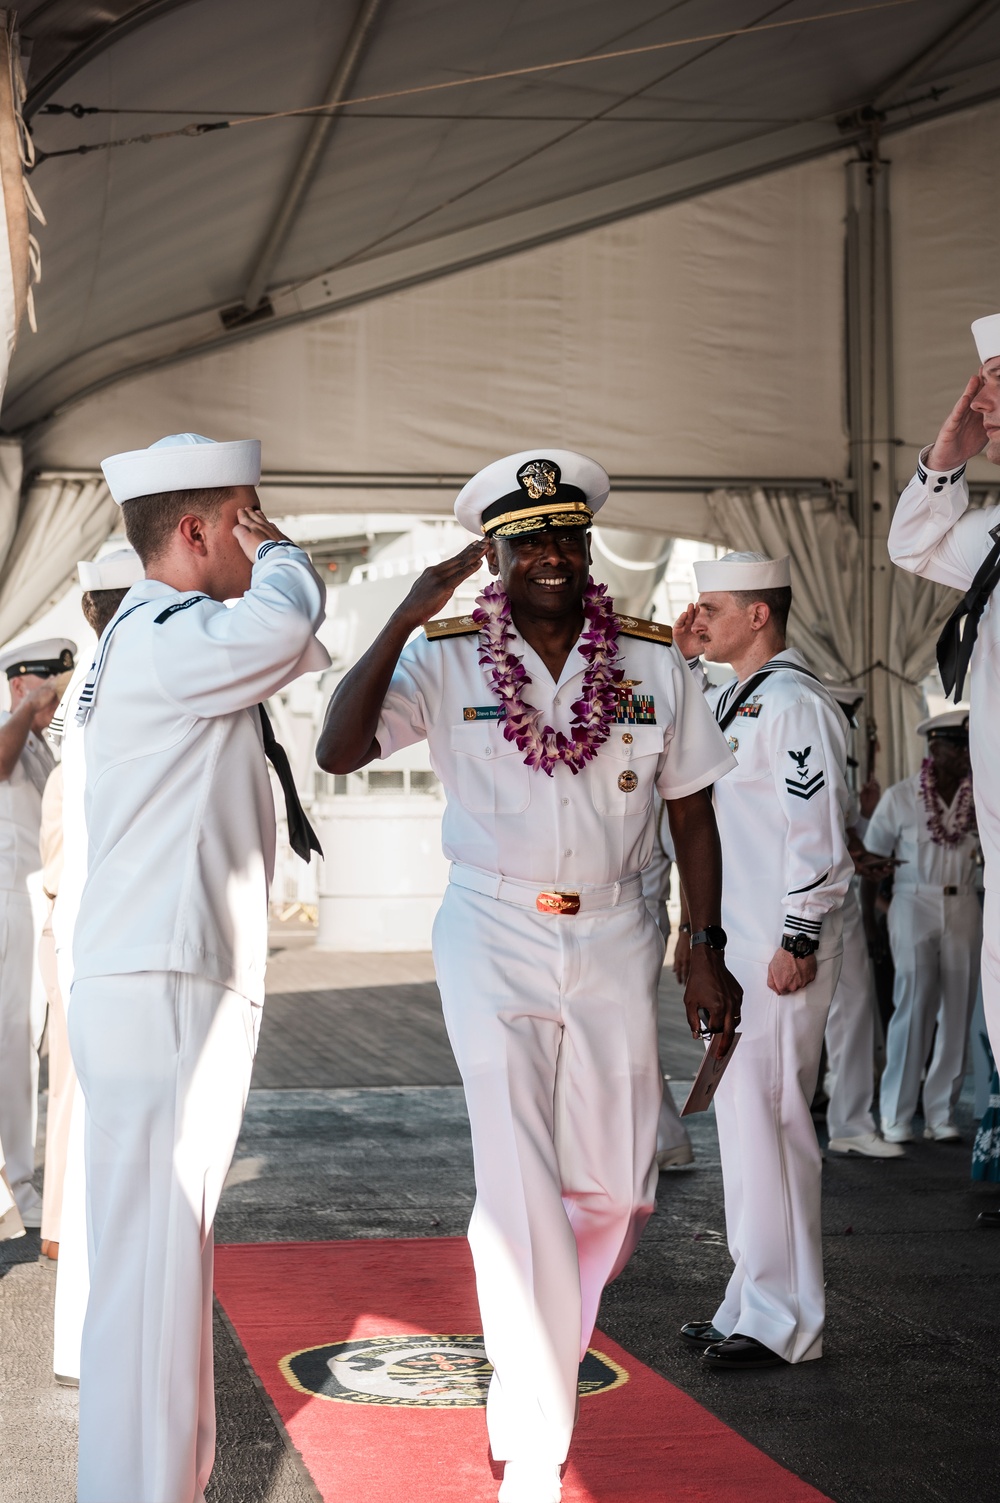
{"x": 301, "y": 835}
{"x": 954, "y": 646}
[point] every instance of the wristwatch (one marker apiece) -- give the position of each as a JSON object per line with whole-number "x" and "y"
{"x": 713, "y": 935}
{"x": 799, "y": 945}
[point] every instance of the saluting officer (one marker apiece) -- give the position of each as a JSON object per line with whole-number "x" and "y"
{"x": 166, "y": 1001}
{"x": 787, "y": 869}
{"x": 550, "y": 722}
{"x": 934, "y": 534}
{"x": 25, "y": 764}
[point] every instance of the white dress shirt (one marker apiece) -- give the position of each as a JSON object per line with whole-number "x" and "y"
{"x": 21, "y": 812}
{"x": 899, "y": 828}
{"x": 180, "y": 818}
{"x": 786, "y": 867}
{"x": 569, "y": 830}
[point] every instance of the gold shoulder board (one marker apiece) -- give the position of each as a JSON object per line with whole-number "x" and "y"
{"x": 450, "y": 626}
{"x": 649, "y": 631}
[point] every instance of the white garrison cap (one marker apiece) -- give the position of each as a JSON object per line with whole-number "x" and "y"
{"x": 986, "y": 333}
{"x": 182, "y": 462}
{"x": 47, "y": 658}
{"x": 951, "y": 725}
{"x": 531, "y": 491}
{"x": 115, "y": 571}
{"x": 742, "y": 571}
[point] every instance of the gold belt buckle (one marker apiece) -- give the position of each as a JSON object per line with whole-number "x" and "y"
{"x": 558, "y": 902}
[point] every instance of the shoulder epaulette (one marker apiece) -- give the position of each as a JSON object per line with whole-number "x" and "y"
{"x": 450, "y": 626}
{"x": 649, "y": 631}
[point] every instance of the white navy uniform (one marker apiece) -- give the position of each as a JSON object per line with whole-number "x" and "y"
{"x": 934, "y": 534}
{"x": 552, "y": 1017}
{"x": 935, "y": 932}
{"x": 20, "y": 821}
{"x": 786, "y": 870}
{"x": 850, "y": 1027}
{"x": 169, "y": 954}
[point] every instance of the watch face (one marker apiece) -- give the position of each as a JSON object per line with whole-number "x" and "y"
{"x": 716, "y": 937}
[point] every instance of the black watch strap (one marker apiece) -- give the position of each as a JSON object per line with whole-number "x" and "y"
{"x": 713, "y": 935}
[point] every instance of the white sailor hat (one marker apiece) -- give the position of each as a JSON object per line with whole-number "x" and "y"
{"x": 986, "y": 333}
{"x": 182, "y": 462}
{"x": 46, "y": 659}
{"x": 742, "y": 571}
{"x": 531, "y": 491}
{"x": 953, "y": 725}
{"x": 115, "y": 571}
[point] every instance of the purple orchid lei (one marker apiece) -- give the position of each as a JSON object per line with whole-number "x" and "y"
{"x": 951, "y": 826}
{"x": 593, "y": 712}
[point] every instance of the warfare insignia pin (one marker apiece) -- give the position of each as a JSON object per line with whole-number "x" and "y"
{"x": 733, "y": 744}
{"x": 628, "y": 782}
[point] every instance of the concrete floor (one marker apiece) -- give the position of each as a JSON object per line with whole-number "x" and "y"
{"x": 901, "y": 1407}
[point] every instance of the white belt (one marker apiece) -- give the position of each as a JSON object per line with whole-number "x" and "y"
{"x": 552, "y": 900}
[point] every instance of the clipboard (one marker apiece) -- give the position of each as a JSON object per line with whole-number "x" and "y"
{"x": 707, "y": 1079}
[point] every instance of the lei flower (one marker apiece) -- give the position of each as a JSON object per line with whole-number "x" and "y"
{"x": 947, "y": 826}
{"x": 593, "y": 712}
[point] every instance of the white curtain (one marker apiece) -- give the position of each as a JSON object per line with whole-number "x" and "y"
{"x": 826, "y": 621}
{"x": 61, "y": 521}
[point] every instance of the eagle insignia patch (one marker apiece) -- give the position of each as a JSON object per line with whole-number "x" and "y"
{"x": 804, "y": 784}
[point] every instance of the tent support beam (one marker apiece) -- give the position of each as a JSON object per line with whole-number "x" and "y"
{"x": 300, "y": 179}
{"x": 897, "y": 85}
{"x": 871, "y": 426}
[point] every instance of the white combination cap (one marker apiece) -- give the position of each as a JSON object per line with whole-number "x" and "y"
{"x": 953, "y": 725}
{"x": 531, "y": 491}
{"x": 738, "y": 571}
{"x": 986, "y": 333}
{"x": 115, "y": 571}
{"x": 182, "y": 462}
{"x": 53, "y": 655}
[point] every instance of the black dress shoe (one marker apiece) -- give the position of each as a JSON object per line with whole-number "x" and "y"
{"x": 701, "y": 1333}
{"x": 989, "y": 1219}
{"x": 741, "y": 1352}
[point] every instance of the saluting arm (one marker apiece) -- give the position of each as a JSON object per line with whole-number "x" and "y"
{"x": 347, "y": 740}
{"x": 33, "y": 714}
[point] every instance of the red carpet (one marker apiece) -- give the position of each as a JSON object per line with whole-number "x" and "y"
{"x": 404, "y": 1420}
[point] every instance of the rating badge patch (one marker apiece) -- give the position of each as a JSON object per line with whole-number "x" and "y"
{"x": 416, "y": 1372}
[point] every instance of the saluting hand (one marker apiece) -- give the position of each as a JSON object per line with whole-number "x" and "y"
{"x": 687, "y": 643}
{"x": 436, "y": 585}
{"x": 252, "y": 528}
{"x": 962, "y": 434}
{"x": 44, "y": 701}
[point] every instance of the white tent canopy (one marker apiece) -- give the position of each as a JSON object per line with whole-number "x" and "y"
{"x": 666, "y": 293}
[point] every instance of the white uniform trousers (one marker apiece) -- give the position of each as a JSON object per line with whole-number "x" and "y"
{"x": 771, "y": 1164}
{"x": 72, "y": 1269}
{"x": 553, "y": 1024}
{"x": 18, "y": 1055}
{"x": 62, "y": 1084}
{"x": 850, "y": 1034}
{"x": 991, "y": 964}
{"x": 164, "y": 1062}
{"x": 935, "y": 942}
